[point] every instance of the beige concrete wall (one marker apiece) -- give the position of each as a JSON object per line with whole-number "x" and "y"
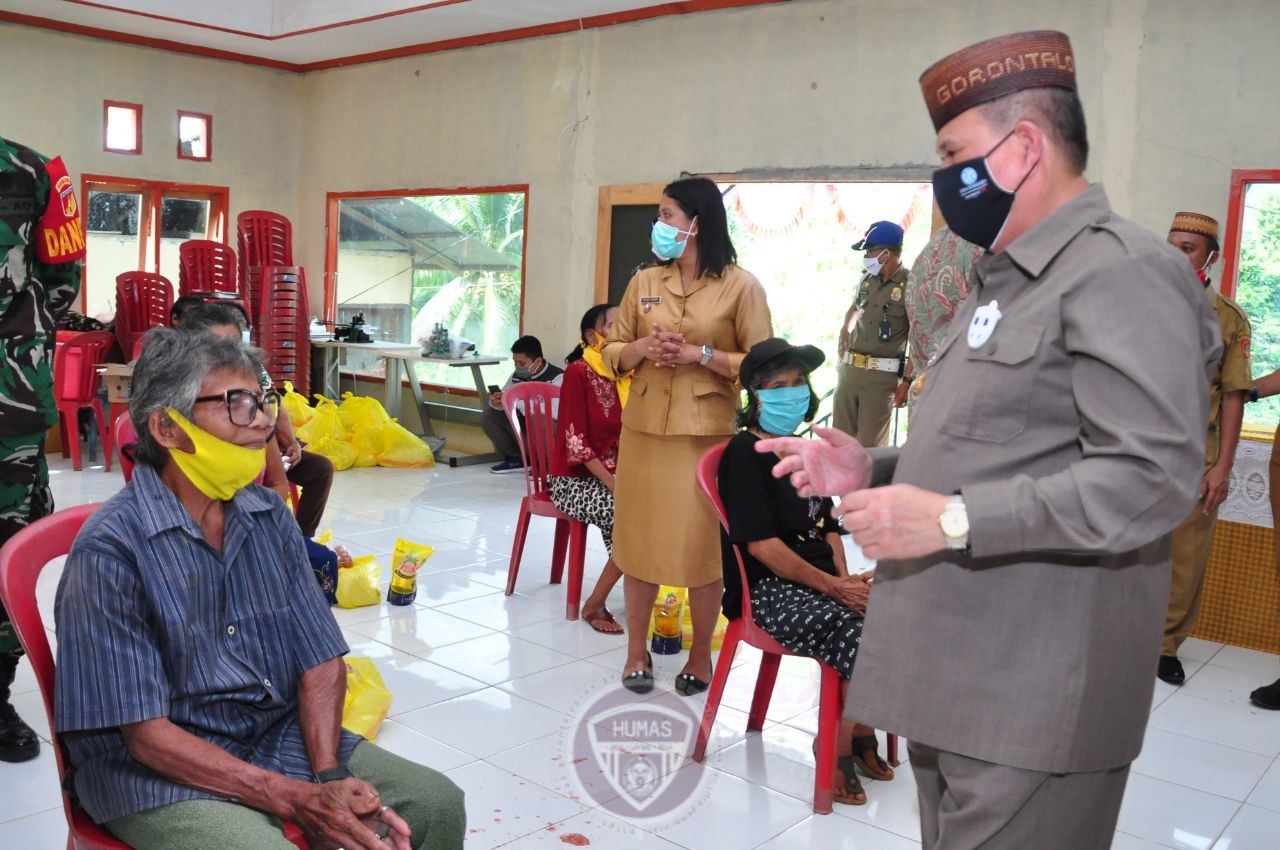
{"x": 56, "y": 85}
{"x": 1177, "y": 93}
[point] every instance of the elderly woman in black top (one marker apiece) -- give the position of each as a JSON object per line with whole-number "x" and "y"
{"x": 801, "y": 591}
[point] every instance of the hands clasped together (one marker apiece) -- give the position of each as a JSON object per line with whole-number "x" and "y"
{"x": 889, "y": 523}
{"x": 670, "y": 349}
{"x": 347, "y": 815}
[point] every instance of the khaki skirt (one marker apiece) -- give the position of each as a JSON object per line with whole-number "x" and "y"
{"x": 664, "y": 529}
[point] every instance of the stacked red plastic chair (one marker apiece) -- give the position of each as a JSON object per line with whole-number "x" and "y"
{"x": 282, "y": 325}
{"x": 143, "y": 300}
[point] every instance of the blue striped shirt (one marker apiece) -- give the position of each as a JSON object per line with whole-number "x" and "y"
{"x": 153, "y": 622}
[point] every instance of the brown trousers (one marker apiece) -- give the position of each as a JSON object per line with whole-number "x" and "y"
{"x": 863, "y": 404}
{"x": 1192, "y": 542}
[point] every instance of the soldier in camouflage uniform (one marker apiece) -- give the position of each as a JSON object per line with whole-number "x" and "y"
{"x": 41, "y": 241}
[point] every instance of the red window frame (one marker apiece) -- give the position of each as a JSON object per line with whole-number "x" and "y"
{"x": 332, "y": 200}
{"x": 153, "y": 194}
{"x": 137, "y": 120}
{"x": 208, "y": 141}
{"x": 1241, "y": 178}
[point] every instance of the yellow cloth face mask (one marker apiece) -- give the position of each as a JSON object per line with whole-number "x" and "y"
{"x": 592, "y": 357}
{"x": 218, "y": 469}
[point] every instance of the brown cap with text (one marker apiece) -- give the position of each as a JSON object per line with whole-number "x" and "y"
{"x": 997, "y": 67}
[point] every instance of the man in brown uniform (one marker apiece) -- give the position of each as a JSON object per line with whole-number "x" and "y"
{"x": 1196, "y": 236}
{"x": 872, "y": 357}
{"x": 1023, "y": 544}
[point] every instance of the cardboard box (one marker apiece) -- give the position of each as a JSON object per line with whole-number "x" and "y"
{"x": 117, "y": 377}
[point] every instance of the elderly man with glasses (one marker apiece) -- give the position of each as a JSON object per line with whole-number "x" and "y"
{"x": 200, "y": 679}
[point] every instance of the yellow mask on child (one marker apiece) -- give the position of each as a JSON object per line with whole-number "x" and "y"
{"x": 218, "y": 469}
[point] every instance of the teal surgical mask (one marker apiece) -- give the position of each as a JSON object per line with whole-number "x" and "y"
{"x": 782, "y": 409}
{"x": 666, "y": 242}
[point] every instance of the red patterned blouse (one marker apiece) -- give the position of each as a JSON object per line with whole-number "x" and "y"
{"x": 590, "y": 422}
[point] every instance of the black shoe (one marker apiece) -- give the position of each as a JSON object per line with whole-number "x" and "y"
{"x": 1267, "y": 696}
{"x": 1170, "y": 670}
{"x": 18, "y": 741}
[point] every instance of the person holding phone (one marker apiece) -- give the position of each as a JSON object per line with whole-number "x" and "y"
{"x": 526, "y": 354}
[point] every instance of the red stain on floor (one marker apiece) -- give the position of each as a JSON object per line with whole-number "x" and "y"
{"x": 580, "y": 760}
{"x": 576, "y": 839}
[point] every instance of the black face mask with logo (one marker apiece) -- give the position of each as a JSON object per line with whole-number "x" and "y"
{"x": 973, "y": 203}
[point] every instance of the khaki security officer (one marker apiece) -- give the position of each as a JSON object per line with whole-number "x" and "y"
{"x": 1023, "y": 544}
{"x": 1196, "y": 236}
{"x": 871, "y": 359}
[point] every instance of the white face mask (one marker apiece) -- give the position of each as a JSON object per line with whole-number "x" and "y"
{"x": 873, "y": 265}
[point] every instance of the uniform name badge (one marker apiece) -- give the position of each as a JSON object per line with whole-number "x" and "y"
{"x": 983, "y": 324}
{"x": 647, "y": 302}
{"x": 59, "y": 237}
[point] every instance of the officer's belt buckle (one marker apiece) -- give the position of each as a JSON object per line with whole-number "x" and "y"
{"x": 875, "y": 364}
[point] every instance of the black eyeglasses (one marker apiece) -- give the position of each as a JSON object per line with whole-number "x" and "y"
{"x": 243, "y": 406}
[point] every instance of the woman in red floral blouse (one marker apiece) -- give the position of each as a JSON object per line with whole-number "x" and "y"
{"x": 586, "y": 451}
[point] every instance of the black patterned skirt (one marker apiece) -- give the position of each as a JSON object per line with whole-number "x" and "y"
{"x": 808, "y": 622}
{"x": 587, "y": 500}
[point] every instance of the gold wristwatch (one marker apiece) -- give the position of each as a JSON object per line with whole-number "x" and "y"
{"x": 954, "y": 522}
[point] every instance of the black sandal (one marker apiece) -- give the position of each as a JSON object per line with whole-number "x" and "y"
{"x": 863, "y": 743}
{"x": 847, "y": 765}
{"x": 640, "y": 681}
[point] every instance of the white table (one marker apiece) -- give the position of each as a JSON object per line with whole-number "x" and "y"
{"x": 415, "y": 356}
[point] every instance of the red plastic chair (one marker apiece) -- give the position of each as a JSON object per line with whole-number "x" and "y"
{"x": 745, "y": 630}
{"x": 534, "y": 399}
{"x": 143, "y": 300}
{"x": 75, "y": 386}
{"x": 22, "y": 559}
{"x": 207, "y": 266}
{"x": 265, "y": 239}
{"x": 125, "y": 436}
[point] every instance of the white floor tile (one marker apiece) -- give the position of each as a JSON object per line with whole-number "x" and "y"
{"x": 594, "y": 829}
{"x": 498, "y": 658}
{"x": 1125, "y": 841}
{"x": 30, "y": 787}
{"x": 1261, "y": 664}
{"x": 485, "y": 722}
{"x": 1251, "y": 829}
{"x": 835, "y": 833}
{"x": 780, "y": 758}
{"x": 1267, "y": 792}
{"x": 30, "y": 707}
{"x": 728, "y": 814}
{"x": 43, "y": 831}
{"x": 569, "y": 688}
{"x": 1253, "y": 729}
{"x": 573, "y": 637}
{"x": 24, "y": 678}
{"x": 443, "y": 588}
{"x": 418, "y": 631}
{"x": 1173, "y": 814}
{"x": 1199, "y": 764}
{"x": 413, "y": 745}
{"x": 502, "y": 807}
{"x": 415, "y": 683}
{"x": 891, "y": 806}
{"x": 1222, "y": 684}
{"x": 508, "y": 612}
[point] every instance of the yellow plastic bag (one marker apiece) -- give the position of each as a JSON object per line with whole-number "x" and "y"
{"x": 360, "y": 410}
{"x": 366, "y": 439}
{"x": 295, "y": 405}
{"x": 325, "y": 422}
{"x": 358, "y": 585}
{"x": 368, "y": 699}
{"x": 402, "y": 448}
{"x": 342, "y": 453}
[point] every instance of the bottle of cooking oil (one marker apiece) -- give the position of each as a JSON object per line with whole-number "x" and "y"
{"x": 408, "y": 558}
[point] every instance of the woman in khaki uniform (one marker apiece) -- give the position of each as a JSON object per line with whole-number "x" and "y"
{"x": 684, "y": 327}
